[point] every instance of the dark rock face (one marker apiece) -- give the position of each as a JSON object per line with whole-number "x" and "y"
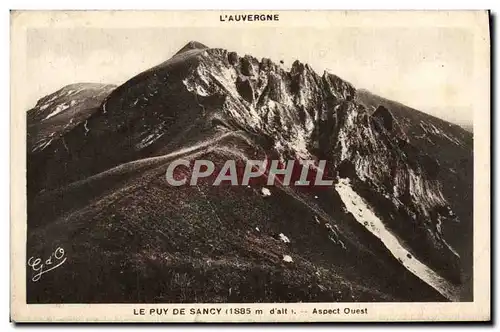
{"x": 233, "y": 58}
{"x": 346, "y": 169}
{"x": 385, "y": 117}
{"x": 100, "y": 187}
{"x": 431, "y": 165}
{"x": 246, "y": 67}
{"x": 450, "y": 151}
{"x": 245, "y": 89}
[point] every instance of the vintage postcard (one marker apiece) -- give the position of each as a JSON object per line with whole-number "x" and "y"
{"x": 257, "y": 166}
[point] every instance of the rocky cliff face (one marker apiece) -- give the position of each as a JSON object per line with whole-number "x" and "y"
{"x": 307, "y": 116}
{"x": 450, "y": 149}
{"x": 211, "y": 102}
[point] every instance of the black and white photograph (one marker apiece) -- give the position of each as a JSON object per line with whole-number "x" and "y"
{"x": 252, "y": 162}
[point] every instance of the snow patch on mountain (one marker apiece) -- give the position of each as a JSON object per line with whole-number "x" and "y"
{"x": 365, "y": 216}
{"x": 57, "y": 110}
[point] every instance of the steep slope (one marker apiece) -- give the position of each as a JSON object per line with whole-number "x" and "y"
{"x": 305, "y": 116}
{"x": 452, "y": 147}
{"x": 107, "y": 203}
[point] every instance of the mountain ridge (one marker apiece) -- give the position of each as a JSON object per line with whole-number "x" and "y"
{"x": 182, "y": 107}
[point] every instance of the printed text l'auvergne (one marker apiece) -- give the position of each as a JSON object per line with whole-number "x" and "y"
{"x": 249, "y": 18}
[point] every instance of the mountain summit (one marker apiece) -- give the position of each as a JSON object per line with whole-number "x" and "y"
{"x": 389, "y": 229}
{"x": 192, "y": 45}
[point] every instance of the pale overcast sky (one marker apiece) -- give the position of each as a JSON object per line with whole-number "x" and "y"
{"x": 429, "y": 69}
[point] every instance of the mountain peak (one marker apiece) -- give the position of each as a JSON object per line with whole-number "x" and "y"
{"x": 192, "y": 45}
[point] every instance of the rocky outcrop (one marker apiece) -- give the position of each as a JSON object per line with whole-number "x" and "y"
{"x": 233, "y": 58}
{"x": 384, "y": 117}
{"x": 245, "y": 89}
{"x": 246, "y": 66}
